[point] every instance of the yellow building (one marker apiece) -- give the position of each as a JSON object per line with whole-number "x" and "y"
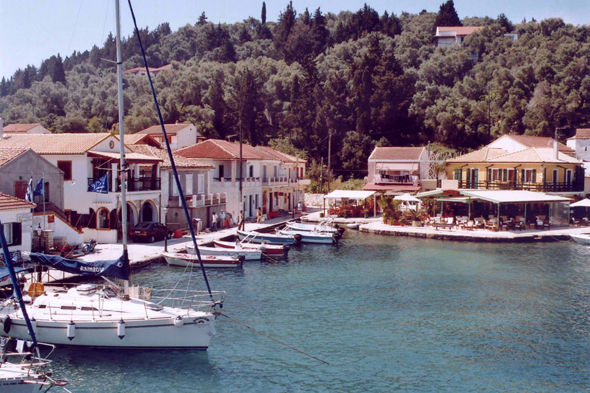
{"x": 542, "y": 169}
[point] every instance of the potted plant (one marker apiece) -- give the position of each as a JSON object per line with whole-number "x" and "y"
{"x": 366, "y": 213}
{"x": 416, "y": 218}
{"x": 321, "y": 214}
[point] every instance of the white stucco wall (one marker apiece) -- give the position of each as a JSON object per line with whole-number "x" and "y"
{"x": 25, "y": 217}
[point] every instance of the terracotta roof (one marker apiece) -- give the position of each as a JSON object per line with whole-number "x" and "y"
{"x": 393, "y": 187}
{"x": 171, "y": 129}
{"x": 280, "y": 155}
{"x": 581, "y": 133}
{"x": 179, "y": 161}
{"x": 396, "y": 153}
{"x": 20, "y": 127}
{"x": 536, "y": 155}
{"x": 458, "y": 30}
{"x": 143, "y": 139}
{"x": 481, "y": 155}
{"x": 218, "y": 149}
{"x": 54, "y": 143}
{"x": 8, "y": 202}
{"x": 7, "y": 155}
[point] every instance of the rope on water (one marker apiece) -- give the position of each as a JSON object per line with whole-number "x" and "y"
{"x": 274, "y": 339}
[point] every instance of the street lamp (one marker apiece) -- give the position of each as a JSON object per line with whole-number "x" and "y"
{"x": 39, "y": 232}
{"x": 165, "y": 210}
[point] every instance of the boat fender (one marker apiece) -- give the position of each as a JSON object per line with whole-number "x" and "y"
{"x": 121, "y": 329}
{"x": 34, "y": 325}
{"x": 297, "y": 238}
{"x": 212, "y": 331}
{"x": 7, "y": 323}
{"x": 178, "y": 322}
{"x": 71, "y": 330}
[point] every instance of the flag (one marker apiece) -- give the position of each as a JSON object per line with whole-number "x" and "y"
{"x": 39, "y": 188}
{"x": 101, "y": 185}
{"x": 29, "y": 195}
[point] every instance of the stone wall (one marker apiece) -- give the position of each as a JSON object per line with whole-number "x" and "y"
{"x": 316, "y": 200}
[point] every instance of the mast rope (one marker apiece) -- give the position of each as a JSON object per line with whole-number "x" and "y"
{"x": 170, "y": 156}
{"x": 274, "y": 339}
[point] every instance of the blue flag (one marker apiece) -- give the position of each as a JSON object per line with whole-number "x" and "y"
{"x": 39, "y": 188}
{"x": 29, "y": 195}
{"x": 101, "y": 185}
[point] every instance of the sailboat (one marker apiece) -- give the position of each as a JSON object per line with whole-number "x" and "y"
{"x": 29, "y": 373}
{"x": 114, "y": 315}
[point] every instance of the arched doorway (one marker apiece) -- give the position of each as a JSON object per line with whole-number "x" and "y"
{"x": 148, "y": 213}
{"x": 131, "y": 222}
{"x": 103, "y": 218}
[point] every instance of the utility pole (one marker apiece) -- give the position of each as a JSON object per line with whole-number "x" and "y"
{"x": 240, "y": 172}
{"x": 329, "y": 156}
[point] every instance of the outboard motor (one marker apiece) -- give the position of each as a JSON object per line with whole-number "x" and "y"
{"x": 336, "y": 237}
{"x": 297, "y": 238}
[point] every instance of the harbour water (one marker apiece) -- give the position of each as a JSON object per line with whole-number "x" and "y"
{"x": 387, "y": 314}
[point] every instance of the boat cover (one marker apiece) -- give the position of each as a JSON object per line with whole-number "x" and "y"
{"x": 4, "y": 274}
{"x": 118, "y": 268}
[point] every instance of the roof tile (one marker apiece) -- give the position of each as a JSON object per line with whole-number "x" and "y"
{"x": 8, "y": 202}
{"x": 54, "y": 143}
{"x": 396, "y": 153}
{"x": 7, "y": 155}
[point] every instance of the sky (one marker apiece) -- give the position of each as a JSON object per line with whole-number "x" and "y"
{"x": 34, "y": 30}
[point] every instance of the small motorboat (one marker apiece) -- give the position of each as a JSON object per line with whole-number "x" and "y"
{"x": 249, "y": 254}
{"x": 185, "y": 259}
{"x": 581, "y": 238}
{"x": 312, "y": 237}
{"x": 270, "y": 238}
{"x": 354, "y": 225}
{"x": 324, "y": 227}
{"x": 268, "y": 249}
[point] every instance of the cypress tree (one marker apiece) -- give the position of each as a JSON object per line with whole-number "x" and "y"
{"x": 263, "y": 14}
{"x": 447, "y": 16}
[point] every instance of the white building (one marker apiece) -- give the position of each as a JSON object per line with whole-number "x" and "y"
{"x": 270, "y": 180}
{"x": 179, "y": 135}
{"x": 17, "y": 222}
{"x": 29, "y": 128}
{"x": 85, "y": 158}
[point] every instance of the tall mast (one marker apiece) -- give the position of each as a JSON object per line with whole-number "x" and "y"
{"x": 122, "y": 165}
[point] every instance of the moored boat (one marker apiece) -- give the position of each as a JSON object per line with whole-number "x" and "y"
{"x": 268, "y": 249}
{"x": 271, "y": 238}
{"x": 581, "y": 238}
{"x": 185, "y": 259}
{"x": 323, "y": 227}
{"x": 312, "y": 237}
{"x": 247, "y": 254}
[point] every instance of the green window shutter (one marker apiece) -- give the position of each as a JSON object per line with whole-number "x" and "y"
{"x": 468, "y": 175}
{"x": 505, "y": 174}
{"x": 522, "y": 178}
{"x": 489, "y": 175}
{"x": 534, "y": 179}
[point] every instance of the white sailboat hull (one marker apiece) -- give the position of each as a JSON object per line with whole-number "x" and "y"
{"x": 212, "y": 261}
{"x": 313, "y": 237}
{"x": 96, "y": 323}
{"x": 248, "y": 254}
{"x": 581, "y": 238}
{"x": 18, "y": 379}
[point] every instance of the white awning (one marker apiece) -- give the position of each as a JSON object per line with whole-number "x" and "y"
{"x": 349, "y": 194}
{"x": 513, "y": 196}
{"x": 407, "y": 198}
{"x": 582, "y": 203}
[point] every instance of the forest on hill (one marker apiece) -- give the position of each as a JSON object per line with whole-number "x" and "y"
{"x": 356, "y": 79}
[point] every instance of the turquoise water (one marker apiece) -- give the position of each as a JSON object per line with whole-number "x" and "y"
{"x": 388, "y": 314}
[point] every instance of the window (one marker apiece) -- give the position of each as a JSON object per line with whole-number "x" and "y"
{"x": 457, "y": 174}
{"x": 529, "y": 175}
{"x": 189, "y": 184}
{"x": 20, "y": 189}
{"x": 12, "y": 233}
{"x": 568, "y": 176}
{"x": 174, "y": 186}
{"x": 66, "y": 167}
{"x": 510, "y": 175}
{"x": 103, "y": 219}
{"x": 221, "y": 172}
{"x": 201, "y": 184}
{"x": 555, "y": 176}
{"x": 251, "y": 171}
{"x": 495, "y": 174}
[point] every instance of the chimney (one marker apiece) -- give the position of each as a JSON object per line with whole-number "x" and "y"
{"x": 556, "y": 149}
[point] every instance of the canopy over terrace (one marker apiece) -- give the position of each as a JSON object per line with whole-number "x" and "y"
{"x": 499, "y": 197}
{"x": 350, "y": 194}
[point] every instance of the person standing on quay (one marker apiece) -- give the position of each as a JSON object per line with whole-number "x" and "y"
{"x": 259, "y": 215}
{"x": 241, "y": 225}
{"x": 221, "y": 219}
{"x": 214, "y": 222}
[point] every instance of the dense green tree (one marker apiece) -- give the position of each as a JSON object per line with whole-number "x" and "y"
{"x": 447, "y": 16}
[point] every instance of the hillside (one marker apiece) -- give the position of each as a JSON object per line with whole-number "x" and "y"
{"x": 363, "y": 77}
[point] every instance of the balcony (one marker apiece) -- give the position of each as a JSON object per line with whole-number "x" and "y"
{"x": 200, "y": 200}
{"x": 575, "y": 186}
{"x": 394, "y": 179}
{"x": 247, "y": 182}
{"x": 275, "y": 181}
{"x": 135, "y": 184}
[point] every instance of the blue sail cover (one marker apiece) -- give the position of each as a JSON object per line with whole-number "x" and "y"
{"x": 5, "y": 275}
{"x": 118, "y": 268}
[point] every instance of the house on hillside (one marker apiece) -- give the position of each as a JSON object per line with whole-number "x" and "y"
{"x": 397, "y": 170}
{"x": 154, "y": 71}
{"x": 179, "y": 135}
{"x": 86, "y": 158}
{"x": 453, "y": 35}
{"x": 17, "y": 222}
{"x": 270, "y": 180}
{"x": 29, "y": 128}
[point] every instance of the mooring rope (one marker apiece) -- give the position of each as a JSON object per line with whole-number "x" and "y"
{"x": 274, "y": 339}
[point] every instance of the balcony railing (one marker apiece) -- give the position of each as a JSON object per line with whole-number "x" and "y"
{"x": 275, "y": 181}
{"x": 135, "y": 184}
{"x": 392, "y": 179}
{"x": 538, "y": 187}
{"x": 247, "y": 182}
{"x": 200, "y": 200}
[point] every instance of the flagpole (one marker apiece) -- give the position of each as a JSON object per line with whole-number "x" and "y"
{"x": 43, "y": 199}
